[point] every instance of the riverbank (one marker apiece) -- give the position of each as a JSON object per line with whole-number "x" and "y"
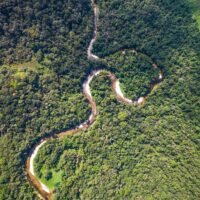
{"x": 41, "y": 188}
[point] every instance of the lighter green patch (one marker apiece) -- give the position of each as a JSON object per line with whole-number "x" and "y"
{"x": 53, "y": 182}
{"x": 1, "y": 161}
{"x": 13, "y": 83}
{"x": 32, "y": 31}
{"x": 20, "y": 75}
{"x": 195, "y": 5}
{"x": 22, "y": 70}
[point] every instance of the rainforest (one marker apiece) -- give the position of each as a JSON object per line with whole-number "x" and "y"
{"x": 99, "y": 99}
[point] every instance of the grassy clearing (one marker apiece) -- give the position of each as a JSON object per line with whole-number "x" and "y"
{"x": 53, "y": 177}
{"x": 195, "y": 4}
{"x": 54, "y": 181}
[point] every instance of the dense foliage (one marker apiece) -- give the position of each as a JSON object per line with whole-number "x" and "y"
{"x": 146, "y": 152}
{"x": 39, "y": 99}
{"x": 127, "y": 64}
{"x": 154, "y": 27}
{"x": 55, "y": 32}
{"x": 149, "y": 152}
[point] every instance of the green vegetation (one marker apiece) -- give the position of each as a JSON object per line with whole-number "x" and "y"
{"x": 39, "y": 99}
{"x": 52, "y": 178}
{"x": 144, "y": 152}
{"x": 195, "y": 5}
{"x": 127, "y": 64}
{"x": 57, "y": 169}
{"x": 129, "y": 150}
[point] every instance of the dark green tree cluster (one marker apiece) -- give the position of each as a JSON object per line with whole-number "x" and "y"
{"x": 135, "y": 72}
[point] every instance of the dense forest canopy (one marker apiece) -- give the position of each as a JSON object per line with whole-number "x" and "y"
{"x": 44, "y": 61}
{"x": 146, "y": 152}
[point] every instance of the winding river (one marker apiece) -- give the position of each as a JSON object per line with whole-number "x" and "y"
{"x": 44, "y": 191}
